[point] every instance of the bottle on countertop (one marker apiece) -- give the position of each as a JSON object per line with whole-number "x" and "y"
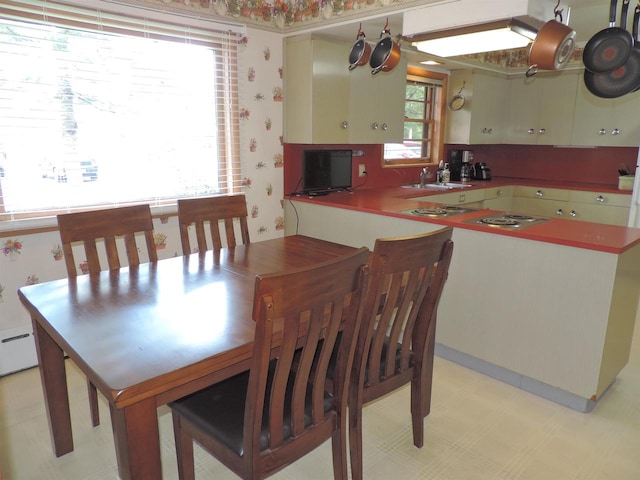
{"x": 446, "y": 174}
{"x": 440, "y": 171}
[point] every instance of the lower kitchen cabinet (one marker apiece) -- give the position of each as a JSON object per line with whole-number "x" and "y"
{"x": 545, "y": 202}
{"x": 498, "y": 198}
{"x": 459, "y": 197}
{"x": 544, "y": 322}
{"x": 609, "y": 208}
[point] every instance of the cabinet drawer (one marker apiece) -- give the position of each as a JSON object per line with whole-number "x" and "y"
{"x": 452, "y": 198}
{"x": 541, "y": 193}
{"x": 598, "y": 198}
{"x": 498, "y": 192}
{"x": 539, "y": 207}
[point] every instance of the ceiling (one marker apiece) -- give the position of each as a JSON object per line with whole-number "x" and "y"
{"x": 586, "y": 17}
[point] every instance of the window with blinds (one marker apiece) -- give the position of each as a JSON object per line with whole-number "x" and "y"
{"x": 99, "y": 110}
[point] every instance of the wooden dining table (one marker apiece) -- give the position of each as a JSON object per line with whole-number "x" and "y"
{"x": 148, "y": 335}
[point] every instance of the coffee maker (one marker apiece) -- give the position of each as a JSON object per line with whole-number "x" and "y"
{"x": 460, "y": 163}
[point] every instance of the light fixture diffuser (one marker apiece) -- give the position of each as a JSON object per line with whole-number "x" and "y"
{"x": 504, "y": 35}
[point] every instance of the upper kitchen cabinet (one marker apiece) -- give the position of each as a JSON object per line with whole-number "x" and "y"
{"x": 376, "y": 104}
{"x": 541, "y": 109}
{"x": 606, "y": 122}
{"x": 325, "y": 102}
{"x": 482, "y": 118}
{"x": 316, "y": 85}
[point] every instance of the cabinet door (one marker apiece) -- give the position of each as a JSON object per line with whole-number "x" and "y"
{"x": 606, "y": 122}
{"x": 489, "y": 109}
{"x": 608, "y": 214}
{"x": 541, "y": 109}
{"x": 316, "y": 81}
{"x": 540, "y": 207}
{"x": 376, "y": 104}
{"x": 482, "y": 119}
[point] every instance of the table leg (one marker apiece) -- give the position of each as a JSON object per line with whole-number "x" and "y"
{"x": 137, "y": 438}
{"x": 54, "y": 385}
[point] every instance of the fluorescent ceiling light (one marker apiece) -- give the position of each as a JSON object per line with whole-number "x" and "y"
{"x": 504, "y": 35}
{"x": 431, "y": 62}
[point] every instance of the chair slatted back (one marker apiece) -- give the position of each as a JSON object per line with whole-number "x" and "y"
{"x": 91, "y": 226}
{"x": 406, "y": 282}
{"x": 304, "y": 309}
{"x": 214, "y": 211}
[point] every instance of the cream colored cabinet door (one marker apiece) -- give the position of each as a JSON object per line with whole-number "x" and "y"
{"x": 376, "y": 104}
{"x": 608, "y": 208}
{"x": 455, "y": 197}
{"x": 316, "y": 82}
{"x": 541, "y": 109}
{"x": 482, "y": 118}
{"x": 606, "y": 122}
{"x": 498, "y": 198}
{"x": 546, "y": 202}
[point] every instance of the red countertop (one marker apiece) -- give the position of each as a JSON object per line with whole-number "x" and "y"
{"x": 391, "y": 201}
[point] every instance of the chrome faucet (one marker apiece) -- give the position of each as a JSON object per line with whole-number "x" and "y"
{"x": 424, "y": 174}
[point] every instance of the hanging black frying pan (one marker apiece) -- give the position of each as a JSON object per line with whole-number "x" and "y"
{"x": 609, "y": 48}
{"x": 624, "y": 79}
{"x": 360, "y": 52}
{"x": 636, "y": 45}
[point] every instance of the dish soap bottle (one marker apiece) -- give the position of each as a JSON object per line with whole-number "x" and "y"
{"x": 446, "y": 174}
{"x": 440, "y": 172}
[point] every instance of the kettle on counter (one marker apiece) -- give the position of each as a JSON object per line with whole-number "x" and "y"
{"x": 481, "y": 171}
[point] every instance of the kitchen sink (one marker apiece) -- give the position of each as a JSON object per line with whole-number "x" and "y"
{"x": 439, "y": 186}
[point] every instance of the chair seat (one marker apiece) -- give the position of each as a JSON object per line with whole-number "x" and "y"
{"x": 219, "y": 410}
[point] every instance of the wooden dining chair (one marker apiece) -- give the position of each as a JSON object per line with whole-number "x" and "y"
{"x": 214, "y": 211}
{"x": 260, "y": 421}
{"x": 96, "y": 226}
{"x": 397, "y": 336}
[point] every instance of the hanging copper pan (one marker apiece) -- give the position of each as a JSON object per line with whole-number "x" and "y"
{"x": 552, "y": 47}
{"x": 360, "y": 52}
{"x": 386, "y": 54}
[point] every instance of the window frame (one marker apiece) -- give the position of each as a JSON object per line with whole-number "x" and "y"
{"x": 439, "y": 126}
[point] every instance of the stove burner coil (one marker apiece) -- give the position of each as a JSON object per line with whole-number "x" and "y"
{"x": 516, "y": 216}
{"x": 429, "y": 211}
{"x": 500, "y": 221}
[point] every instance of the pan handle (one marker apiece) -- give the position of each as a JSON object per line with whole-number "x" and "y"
{"x": 531, "y": 71}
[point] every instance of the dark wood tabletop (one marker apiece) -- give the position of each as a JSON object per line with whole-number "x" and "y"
{"x": 150, "y": 334}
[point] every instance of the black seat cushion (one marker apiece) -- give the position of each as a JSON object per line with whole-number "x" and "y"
{"x": 219, "y": 410}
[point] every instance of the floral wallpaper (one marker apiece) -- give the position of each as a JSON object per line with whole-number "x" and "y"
{"x": 280, "y": 15}
{"x": 27, "y": 259}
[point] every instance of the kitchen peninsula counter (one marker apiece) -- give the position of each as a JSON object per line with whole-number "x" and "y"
{"x": 550, "y": 309}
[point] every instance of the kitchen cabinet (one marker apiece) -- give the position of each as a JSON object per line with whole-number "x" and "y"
{"x": 498, "y": 198}
{"x": 376, "y": 104}
{"x": 482, "y": 118}
{"x": 316, "y": 82}
{"x": 612, "y": 122}
{"x": 541, "y": 109}
{"x": 544, "y": 322}
{"x": 325, "y": 102}
{"x": 545, "y": 202}
{"x": 609, "y": 208}
{"x": 471, "y": 198}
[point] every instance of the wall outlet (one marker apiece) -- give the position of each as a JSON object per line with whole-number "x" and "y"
{"x": 362, "y": 170}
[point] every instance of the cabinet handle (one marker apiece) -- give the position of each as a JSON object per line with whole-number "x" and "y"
{"x": 559, "y": 212}
{"x": 385, "y": 127}
{"x": 531, "y": 131}
{"x": 345, "y": 125}
{"x": 542, "y": 131}
{"x": 602, "y": 131}
{"x": 573, "y": 213}
{"x": 498, "y": 193}
{"x": 539, "y": 193}
{"x": 599, "y": 198}
{"x": 615, "y": 131}
{"x": 374, "y": 126}
{"x": 487, "y": 130}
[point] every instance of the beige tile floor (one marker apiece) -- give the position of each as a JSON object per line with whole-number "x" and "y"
{"x": 479, "y": 428}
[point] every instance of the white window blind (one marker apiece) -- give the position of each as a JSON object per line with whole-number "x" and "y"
{"x": 98, "y": 109}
